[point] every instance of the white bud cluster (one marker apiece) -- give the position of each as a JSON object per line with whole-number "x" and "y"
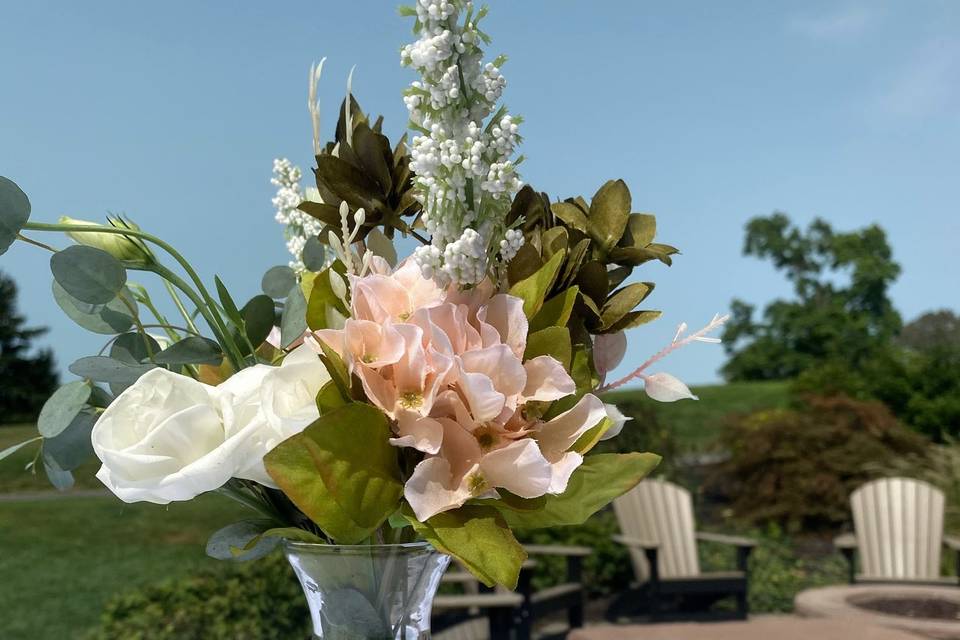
{"x": 298, "y": 225}
{"x": 466, "y": 178}
{"x": 511, "y": 243}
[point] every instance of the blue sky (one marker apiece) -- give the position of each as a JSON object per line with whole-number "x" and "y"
{"x": 712, "y": 112}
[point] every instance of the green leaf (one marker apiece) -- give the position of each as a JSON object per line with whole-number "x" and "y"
{"x": 555, "y": 311}
{"x": 62, "y": 407}
{"x": 324, "y": 302}
{"x": 632, "y": 320}
{"x": 533, "y": 289}
{"x": 601, "y": 478}
{"x": 524, "y": 264}
{"x": 592, "y": 280}
{"x": 591, "y": 437}
{"x": 293, "y": 323}
{"x": 330, "y": 398}
{"x": 336, "y": 367}
{"x": 191, "y": 350}
{"x": 109, "y": 319}
{"x": 89, "y": 275}
{"x": 9, "y": 451}
{"x": 554, "y": 240}
{"x": 294, "y": 533}
{"x": 133, "y": 347}
{"x": 226, "y": 301}
{"x": 278, "y": 281}
{"x": 348, "y": 183}
{"x": 552, "y": 341}
{"x": 572, "y": 215}
{"x": 14, "y": 212}
{"x": 104, "y": 369}
{"x": 72, "y": 447}
{"x": 224, "y": 543}
{"x": 258, "y": 316}
{"x": 609, "y": 212}
{"x": 313, "y": 255}
{"x": 479, "y": 538}
{"x": 623, "y": 302}
{"x": 341, "y": 471}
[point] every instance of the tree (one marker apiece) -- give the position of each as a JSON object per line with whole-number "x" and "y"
{"x": 931, "y": 331}
{"x": 26, "y": 380}
{"x": 841, "y": 311}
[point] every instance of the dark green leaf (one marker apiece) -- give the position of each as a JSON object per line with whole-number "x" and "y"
{"x": 641, "y": 228}
{"x": 62, "y": 407}
{"x": 14, "y": 212}
{"x": 109, "y": 319}
{"x": 258, "y": 316}
{"x": 341, "y": 471}
{"x": 104, "y": 369}
{"x": 134, "y": 348}
{"x": 632, "y": 320}
{"x": 348, "y": 183}
{"x": 191, "y": 350}
{"x": 278, "y": 281}
{"x": 601, "y": 478}
{"x": 623, "y": 302}
{"x": 524, "y": 264}
{"x": 593, "y": 282}
{"x": 571, "y": 215}
{"x": 89, "y": 275}
{"x": 478, "y": 537}
{"x": 226, "y": 301}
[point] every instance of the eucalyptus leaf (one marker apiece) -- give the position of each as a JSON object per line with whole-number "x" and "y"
{"x": 72, "y": 447}
{"x": 259, "y": 316}
{"x": 62, "y": 407}
{"x": 9, "y": 451}
{"x": 293, "y": 322}
{"x": 191, "y": 350}
{"x": 14, "y": 212}
{"x": 278, "y": 281}
{"x": 224, "y": 542}
{"x": 90, "y": 275}
{"x": 313, "y": 255}
{"x": 134, "y": 347}
{"x": 109, "y": 319}
{"x": 601, "y": 478}
{"x": 61, "y": 479}
{"x": 106, "y": 369}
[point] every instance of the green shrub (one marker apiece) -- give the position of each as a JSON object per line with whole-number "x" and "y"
{"x": 261, "y": 600}
{"x": 780, "y": 568}
{"x": 644, "y": 432}
{"x": 797, "y": 467}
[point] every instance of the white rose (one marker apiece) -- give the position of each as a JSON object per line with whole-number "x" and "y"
{"x": 162, "y": 440}
{"x": 169, "y": 437}
{"x": 265, "y": 405}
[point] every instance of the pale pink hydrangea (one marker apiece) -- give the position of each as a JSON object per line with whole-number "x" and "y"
{"x": 448, "y": 368}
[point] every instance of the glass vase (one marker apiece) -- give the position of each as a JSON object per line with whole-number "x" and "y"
{"x": 368, "y": 592}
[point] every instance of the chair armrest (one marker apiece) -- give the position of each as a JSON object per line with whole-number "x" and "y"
{"x": 951, "y": 542}
{"x": 845, "y": 541}
{"x": 627, "y": 541}
{"x": 557, "y": 550}
{"x": 736, "y": 541}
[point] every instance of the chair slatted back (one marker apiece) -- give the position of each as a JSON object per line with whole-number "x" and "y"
{"x": 899, "y": 528}
{"x": 662, "y": 512}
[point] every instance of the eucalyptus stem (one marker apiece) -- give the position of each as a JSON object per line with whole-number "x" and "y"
{"x": 203, "y": 301}
{"x": 179, "y": 304}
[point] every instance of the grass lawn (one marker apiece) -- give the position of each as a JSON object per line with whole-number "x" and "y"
{"x": 696, "y": 423}
{"x": 62, "y": 559}
{"x": 12, "y": 474}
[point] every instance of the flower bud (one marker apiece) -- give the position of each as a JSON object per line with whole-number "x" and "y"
{"x": 119, "y": 246}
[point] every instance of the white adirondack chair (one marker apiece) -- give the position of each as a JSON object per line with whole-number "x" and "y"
{"x": 898, "y": 531}
{"x": 657, "y": 525}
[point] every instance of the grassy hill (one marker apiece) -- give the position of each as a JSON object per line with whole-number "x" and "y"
{"x": 695, "y": 423}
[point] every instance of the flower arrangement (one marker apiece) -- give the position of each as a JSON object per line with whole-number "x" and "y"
{"x": 449, "y": 397}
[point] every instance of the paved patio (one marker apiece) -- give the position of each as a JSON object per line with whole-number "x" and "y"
{"x": 759, "y": 628}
